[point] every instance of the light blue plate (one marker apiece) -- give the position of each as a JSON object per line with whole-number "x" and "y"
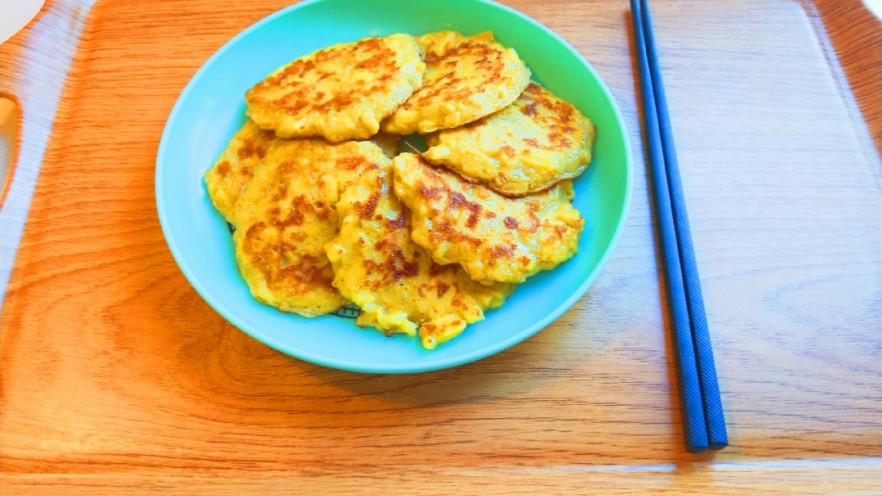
{"x": 211, "y": 108}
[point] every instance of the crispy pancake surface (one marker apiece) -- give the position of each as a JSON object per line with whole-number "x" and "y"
{"x": 494, "y": 238}
{"x": 234, "y": 167}
{"x": 525, "y": 148}
{"x": 395, "y": 282}
{"x": 327, "y": 210}
{"x": 286, "y": 216}
{"x": 466, "y": 78}
{"x": 341, "y": 92}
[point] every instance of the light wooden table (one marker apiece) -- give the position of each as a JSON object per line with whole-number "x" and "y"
{"x": 116, "y": 377}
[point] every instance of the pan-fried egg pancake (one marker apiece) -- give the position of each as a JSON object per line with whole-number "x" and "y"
{"x": 341, "y": 92}
{"x": 494, "y": 238}
{"x": 466, "y": 78}
{"x": 286, "y": 216}
{"x": 395, "y": 282}
{"x": 234, "y": 167}
{"x": 527, "y": 147}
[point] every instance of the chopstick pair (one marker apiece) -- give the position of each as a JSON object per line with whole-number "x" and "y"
{"x": 703, "y": 421}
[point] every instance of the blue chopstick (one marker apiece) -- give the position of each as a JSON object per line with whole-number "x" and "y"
{"x": 694, "y": 423}
{"x": 704, "y": 424}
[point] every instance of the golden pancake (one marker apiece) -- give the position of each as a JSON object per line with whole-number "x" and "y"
{"x": 395, "y": 282}
{"x": 525, "y": 148}
{"x": 493, "y": 237}
{"x": 287, "y": 214}
{"x": 234, "y": 167}
{"x": 466, "y": 78}
{"x": 341, "y": 92}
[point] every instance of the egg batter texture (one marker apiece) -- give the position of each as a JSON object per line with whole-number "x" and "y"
{"x": 341, "y": 92}
{"x": 327, "y": 212}
{"x": 394, "y": 281}
{"x": 493, "y": 237}
{"x": 466, "y": 78}
{"x": 287, "y": 214}
{"x": 525, "y": 148}
{"x": 227, "y": 178}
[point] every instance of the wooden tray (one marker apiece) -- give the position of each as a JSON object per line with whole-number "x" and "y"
{"x": 116, "y": 376}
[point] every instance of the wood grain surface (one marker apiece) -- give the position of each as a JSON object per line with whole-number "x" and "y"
{"x": 115, "y": 376}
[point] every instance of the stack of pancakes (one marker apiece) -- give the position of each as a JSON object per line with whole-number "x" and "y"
{"x": 327, "y": 211}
